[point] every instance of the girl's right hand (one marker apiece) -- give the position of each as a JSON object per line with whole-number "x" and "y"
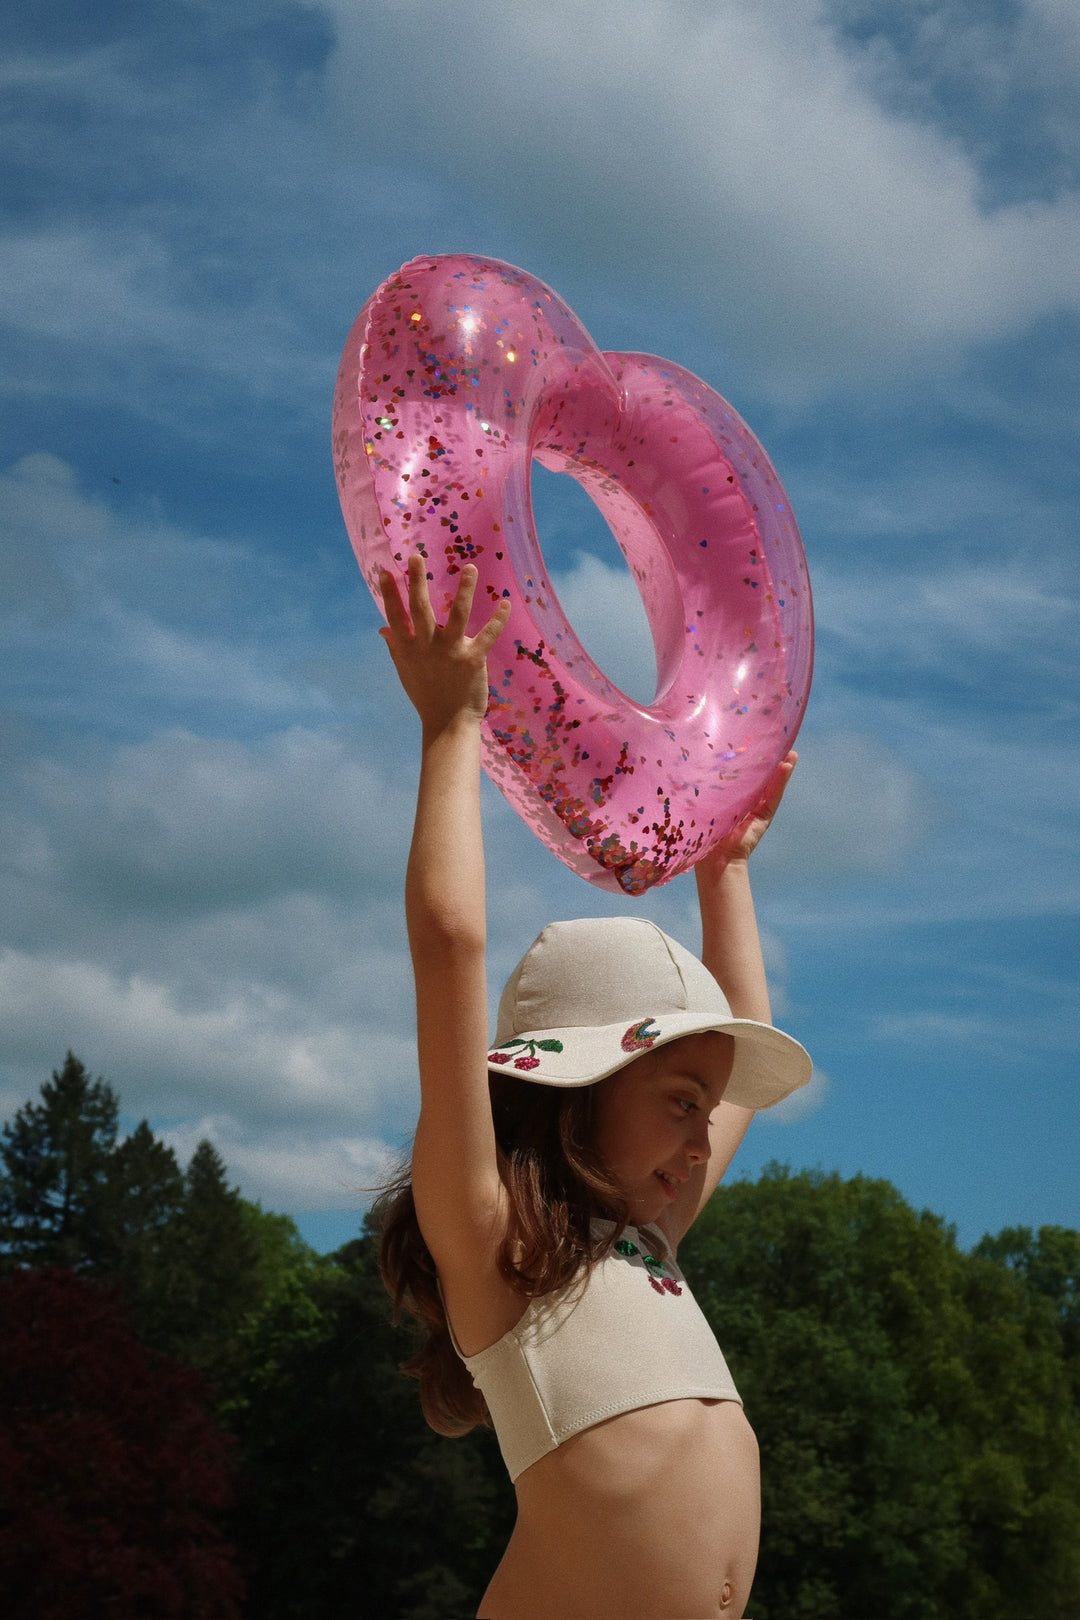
{"x": 443, "y": 670}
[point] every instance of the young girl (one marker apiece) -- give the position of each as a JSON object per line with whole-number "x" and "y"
{"x": 552, "y": 1178}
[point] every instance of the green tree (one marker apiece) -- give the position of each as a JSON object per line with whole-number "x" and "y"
{"x": 1049, "y": 1262}
{"x": 144, "y": 1199}
{"x": 281, "y": 1255}
{"x": 351, "y": 1508}
{"x": 917, "y": 1407}
{"x": 212, "y": 1254}
{"x": 189, "y": 1255}
{"x": 56, "y": 1156}
{"x": 920, "y": 1452}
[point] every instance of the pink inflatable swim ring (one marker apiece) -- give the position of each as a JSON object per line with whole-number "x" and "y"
{"x": 458, "y": 373}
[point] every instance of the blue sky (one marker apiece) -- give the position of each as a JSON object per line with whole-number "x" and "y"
{"x": 857, "y": 220}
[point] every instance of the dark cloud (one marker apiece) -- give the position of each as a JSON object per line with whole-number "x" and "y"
{"x": 1001, "y": 79}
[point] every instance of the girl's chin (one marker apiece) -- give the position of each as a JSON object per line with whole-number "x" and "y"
{"x": 647, "y": 1209}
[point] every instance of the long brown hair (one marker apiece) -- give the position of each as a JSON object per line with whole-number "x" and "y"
{"x": 556, "y": 1186}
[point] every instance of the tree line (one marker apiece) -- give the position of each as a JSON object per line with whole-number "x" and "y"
{"x": 201, "y": 1417}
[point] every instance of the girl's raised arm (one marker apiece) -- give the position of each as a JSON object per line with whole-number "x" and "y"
{"x": 731, "y": 950}
{"x": 455, "y": 1178}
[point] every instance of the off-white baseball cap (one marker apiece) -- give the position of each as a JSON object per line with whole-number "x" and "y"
{"x": 590, "y": 995}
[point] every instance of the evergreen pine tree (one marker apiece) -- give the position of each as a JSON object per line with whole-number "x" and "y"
{"x": 183, "y": 1248}
{"x": 138, "y": 1253}
{"x": 214, "y": 1259}
{"x": 54, "y": 1185}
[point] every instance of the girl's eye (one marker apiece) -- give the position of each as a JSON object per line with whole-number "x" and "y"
{"x": 686, "y": 1104}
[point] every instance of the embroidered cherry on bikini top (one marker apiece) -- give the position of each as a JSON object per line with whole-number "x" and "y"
{"x": 633, "y": 1335}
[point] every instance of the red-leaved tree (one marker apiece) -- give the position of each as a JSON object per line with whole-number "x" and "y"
{"x": 112, "y": 1472}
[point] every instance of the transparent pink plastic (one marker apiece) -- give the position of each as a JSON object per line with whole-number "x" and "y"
{"x": 457, "y": 373}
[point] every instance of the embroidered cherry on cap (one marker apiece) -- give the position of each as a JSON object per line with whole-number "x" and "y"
{"x": 527, "y": 1050}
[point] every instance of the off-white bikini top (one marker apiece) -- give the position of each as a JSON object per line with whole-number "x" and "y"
{"x": 633, "y": 1335}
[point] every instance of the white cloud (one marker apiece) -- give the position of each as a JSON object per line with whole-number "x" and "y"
{"x": 210, "y": 921}
{"x": 188, "y": 825}
{"x": 44, "y": 516}
{"x": 82, "y": 284}
{"x": 807, "y": 1100}
{"x": 41, "y": 497}
{"x": 119, "y": 303}
{"x": 1006, "y": 76}
{"x": 268, "y": 1054}
{"x": 108, "y": 289}
{"x": 736, "y": 159}
{"x": 924, "y": 488}
{"x": 853, "y": 808}
{"x": 1061, "y": 21}
{"x": 190, "y": 667}
{"x": 920, "y": 1027}
{"x": 775, "y": 956}
{"x": 734, "y": 154}
{"x": 1029, "y": 1040}
{"x": 605, "y": 608}
{"x": 942, "y": 615}
{"x": 127, "y": 611}
{"x": 291, "y": 1170}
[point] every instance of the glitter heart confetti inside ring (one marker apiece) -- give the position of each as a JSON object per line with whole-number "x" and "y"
{"x": 459, "y": 372}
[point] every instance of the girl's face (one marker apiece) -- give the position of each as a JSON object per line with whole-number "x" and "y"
{"x": 651, "y": 1119}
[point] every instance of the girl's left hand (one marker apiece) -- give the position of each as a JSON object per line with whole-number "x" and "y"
{"x": 741, "y": 842}
{"x": 443, "y": 670}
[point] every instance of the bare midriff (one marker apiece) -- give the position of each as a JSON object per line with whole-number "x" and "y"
{"x": 652, "y": 1515}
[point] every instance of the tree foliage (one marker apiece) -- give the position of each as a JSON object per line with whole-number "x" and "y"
{"x": 57, "y": 1154}
{"x": 112, "y": 1473}
{"x": 213, "y": 1264}
{"x": 918, "y": 1407}
{"x": 112, "y": 1469}
{"x": 338, "y": 1462}
{"x": 1049, "y": 1263}
{"x": 920, "y": 1440}
{"x": 181, "y": 1246}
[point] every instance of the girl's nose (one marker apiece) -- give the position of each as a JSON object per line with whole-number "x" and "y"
{"x": 699, "y": 1146}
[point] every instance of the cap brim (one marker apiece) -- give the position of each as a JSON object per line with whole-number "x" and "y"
{"x": 768, "y": 1065}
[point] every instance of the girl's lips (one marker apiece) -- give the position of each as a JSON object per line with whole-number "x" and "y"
{"x": 669, "y": 1184}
